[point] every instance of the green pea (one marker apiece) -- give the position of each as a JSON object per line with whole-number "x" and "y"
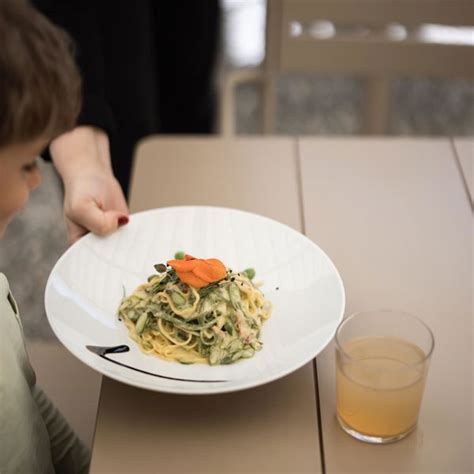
{"x": 250, "y": 272}
{"x": 179, "y": 255}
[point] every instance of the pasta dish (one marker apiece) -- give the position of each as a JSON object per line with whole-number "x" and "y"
{"x": 197, "y": 311}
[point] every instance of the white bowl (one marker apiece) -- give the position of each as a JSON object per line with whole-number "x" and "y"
{"x": 88, "y": 282}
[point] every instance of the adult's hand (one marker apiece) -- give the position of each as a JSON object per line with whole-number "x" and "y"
{"x": 93, "y": 198}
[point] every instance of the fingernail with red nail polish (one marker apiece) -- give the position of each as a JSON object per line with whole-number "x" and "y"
{"x": 123, "y": 220}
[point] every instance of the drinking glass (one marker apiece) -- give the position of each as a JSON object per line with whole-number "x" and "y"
{"x": 382, "y": 360}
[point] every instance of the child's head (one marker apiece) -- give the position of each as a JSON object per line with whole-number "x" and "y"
{"x": 39, "y": 98}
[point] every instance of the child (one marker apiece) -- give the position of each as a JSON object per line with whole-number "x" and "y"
{"x": 39, "y": 99}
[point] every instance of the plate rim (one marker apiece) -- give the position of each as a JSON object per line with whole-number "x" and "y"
{"x": 251, "y": 383}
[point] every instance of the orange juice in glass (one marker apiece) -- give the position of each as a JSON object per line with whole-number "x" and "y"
{"x": 382, "y": 361}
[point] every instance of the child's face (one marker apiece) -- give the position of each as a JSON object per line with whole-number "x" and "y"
{"x": 19, "y": 175}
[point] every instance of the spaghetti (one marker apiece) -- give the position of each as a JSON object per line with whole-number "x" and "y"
{"x": 219, "y": 323}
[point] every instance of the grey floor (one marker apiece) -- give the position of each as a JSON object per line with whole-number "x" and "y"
{"x": 306, "y": 105}
{"x": 333, "y": 105}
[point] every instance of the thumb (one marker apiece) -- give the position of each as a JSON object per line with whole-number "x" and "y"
{"x": 92, "y": 218}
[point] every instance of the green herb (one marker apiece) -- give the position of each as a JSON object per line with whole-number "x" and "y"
{"x": 229, "y": 328}
{"x": 178, "y": 300}
{"x": 179, "y": 255}
{"x": 160, "y": 268}
{"x": 142, "y": 320}
{"x": 132, "y": 315}
{"x": 234, "y": 294}
{"x": 203, "y": 292}
{"x": 157, "y": 288}
{"x": 172, "y": 276}
{"x": 202, "y": 323}
{"x": 151, "y": 322}
{"x": 160, "y": 286}
{"x": 181, "y": 335}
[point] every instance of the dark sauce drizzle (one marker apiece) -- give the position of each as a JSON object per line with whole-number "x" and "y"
{"x": 103, "y": 351}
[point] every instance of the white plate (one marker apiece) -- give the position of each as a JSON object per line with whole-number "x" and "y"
{"x": 87, "y": 283}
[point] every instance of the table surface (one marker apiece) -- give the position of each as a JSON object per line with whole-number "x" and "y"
{"x": 395, "y": 215}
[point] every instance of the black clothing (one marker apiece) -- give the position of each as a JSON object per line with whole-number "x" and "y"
{"x": 147, "y": 67}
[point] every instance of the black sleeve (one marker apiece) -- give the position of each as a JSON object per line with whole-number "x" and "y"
{"x": 79, "y": 18}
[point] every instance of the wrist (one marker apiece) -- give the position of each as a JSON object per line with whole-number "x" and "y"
{"x": 84, "y": 150}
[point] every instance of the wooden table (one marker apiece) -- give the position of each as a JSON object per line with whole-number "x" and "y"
{"x": 396, "y": 217}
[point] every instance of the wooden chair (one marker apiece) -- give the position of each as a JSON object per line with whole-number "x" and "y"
{"x": 372, "y": 54}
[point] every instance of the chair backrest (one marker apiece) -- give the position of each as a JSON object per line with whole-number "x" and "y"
{"x": 375, "y": 39}
{"x": 353, "y": 37}
{"x": 372, "y": 39}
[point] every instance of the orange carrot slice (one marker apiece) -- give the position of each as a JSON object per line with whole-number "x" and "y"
{"x": 192, "y": 280}
{"x": 210, "y": 273}
{"x": 198, "y": 272}
{"x": 183, "y": 265}
{"x": 204, "y": 272}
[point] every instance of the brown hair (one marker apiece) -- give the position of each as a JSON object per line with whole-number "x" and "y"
{"x": 39, "y": 81}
